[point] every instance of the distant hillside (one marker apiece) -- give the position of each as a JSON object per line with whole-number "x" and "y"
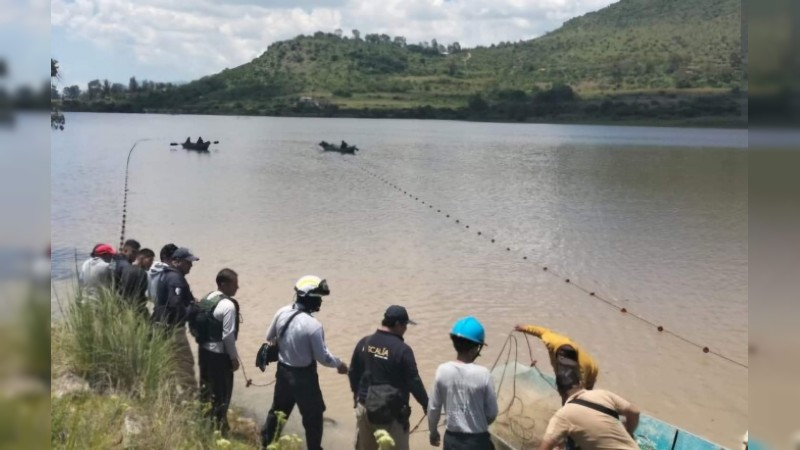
{"x": 633, "y": 44}
{"x": 662, "y": 49}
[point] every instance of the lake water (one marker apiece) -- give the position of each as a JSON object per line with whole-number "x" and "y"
{"x": 654, "y": 219}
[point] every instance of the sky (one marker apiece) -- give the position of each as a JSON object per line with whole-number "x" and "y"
{"x": 182, "y": 40}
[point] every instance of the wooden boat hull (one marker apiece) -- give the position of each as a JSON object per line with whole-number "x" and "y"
{"x": 198, "y": 147}
{"x": 350, "y": 150}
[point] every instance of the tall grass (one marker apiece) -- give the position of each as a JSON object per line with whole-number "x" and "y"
{"x": 114, "y": 347}
{"x": 130, "y": 367}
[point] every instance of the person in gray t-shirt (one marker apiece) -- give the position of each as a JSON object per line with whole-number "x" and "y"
{"x": 466, "y": 392}
{"x": 95, "y": 274}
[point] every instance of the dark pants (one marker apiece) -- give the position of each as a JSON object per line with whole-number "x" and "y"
{"x": 297, "y": 386}
{"x": 467, "y": 441}
{"x": 216, "y": 385}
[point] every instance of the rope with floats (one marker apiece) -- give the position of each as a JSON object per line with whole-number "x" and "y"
{"x": 591, "y": 293}
{"x": 125, "y": 192}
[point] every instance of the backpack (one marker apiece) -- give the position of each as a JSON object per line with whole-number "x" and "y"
{"x": 384, "y": 403}
{"x": 203, "y": 326}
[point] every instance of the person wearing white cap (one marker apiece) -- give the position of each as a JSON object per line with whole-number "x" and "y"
{"x": 301, "y": 346}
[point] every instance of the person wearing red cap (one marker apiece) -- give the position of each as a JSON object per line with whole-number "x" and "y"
{"x": 95, "y": 274}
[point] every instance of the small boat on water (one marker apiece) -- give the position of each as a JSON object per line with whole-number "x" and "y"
{"x": 200, "y": 147}
{"x": 347, "y": 149}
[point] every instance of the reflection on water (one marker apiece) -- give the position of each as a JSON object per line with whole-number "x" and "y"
{"x": 653, "y": 218}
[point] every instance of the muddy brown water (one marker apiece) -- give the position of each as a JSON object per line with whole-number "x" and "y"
{"x": 653, "y": 218}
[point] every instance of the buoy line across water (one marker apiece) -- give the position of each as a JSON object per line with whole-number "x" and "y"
{"x": 591, "y": 293}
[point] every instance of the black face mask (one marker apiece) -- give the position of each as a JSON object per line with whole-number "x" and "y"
{"x": 310, "y": 303}
{"x": 478, "y": 355}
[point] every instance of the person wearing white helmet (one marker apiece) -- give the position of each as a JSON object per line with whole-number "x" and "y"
{"x": 301, "y": 345}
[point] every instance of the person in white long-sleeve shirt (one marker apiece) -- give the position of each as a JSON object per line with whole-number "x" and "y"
{"x": 301, "y": 345}
{"x": 466, "y": 392}
{"x": 216, "y": 328}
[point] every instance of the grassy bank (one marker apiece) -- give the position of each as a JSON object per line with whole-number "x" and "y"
{"x": 25, "y": 372}
{"x": 114, "y": 386}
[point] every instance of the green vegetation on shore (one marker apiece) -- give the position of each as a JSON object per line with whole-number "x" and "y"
{"x": 114, "y": 386}
{"x": 25, "y": 372}
{"x": 644, "y": 60}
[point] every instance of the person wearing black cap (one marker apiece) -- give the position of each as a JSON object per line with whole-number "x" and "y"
{"x": 175, "y": 306}
{"x": 383, "y": 374}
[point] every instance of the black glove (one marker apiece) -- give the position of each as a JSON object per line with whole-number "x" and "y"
{"x": 261, "y": 357}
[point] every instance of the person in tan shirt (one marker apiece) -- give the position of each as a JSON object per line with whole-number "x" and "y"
{"x": 590, "y": 420}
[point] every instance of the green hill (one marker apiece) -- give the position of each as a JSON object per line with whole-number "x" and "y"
{"x": 633, "y": 44}
{"x": 655, "y": 57}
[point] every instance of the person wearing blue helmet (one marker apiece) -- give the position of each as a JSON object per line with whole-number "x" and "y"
{"x": 466, "y": 392}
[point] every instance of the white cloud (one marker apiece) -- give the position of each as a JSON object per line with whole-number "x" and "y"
{"x": 199, "y": 37}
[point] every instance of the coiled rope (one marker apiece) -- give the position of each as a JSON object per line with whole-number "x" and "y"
{"x": 521, "y": 426}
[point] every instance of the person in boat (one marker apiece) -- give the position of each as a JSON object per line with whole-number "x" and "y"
{"x": 200, "y": 140}
{"x": 344, "y": 145}
{"x": 465, "y": 391}
{"x": 564, "y": 352}
{"x": 188, "y": 140}
{"x": 589, "y": 420}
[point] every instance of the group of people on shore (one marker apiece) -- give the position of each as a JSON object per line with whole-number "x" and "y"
{"x": 382, "y": 373}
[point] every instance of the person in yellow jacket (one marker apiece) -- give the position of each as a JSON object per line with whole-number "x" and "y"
{"x": 563, "y": 351}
